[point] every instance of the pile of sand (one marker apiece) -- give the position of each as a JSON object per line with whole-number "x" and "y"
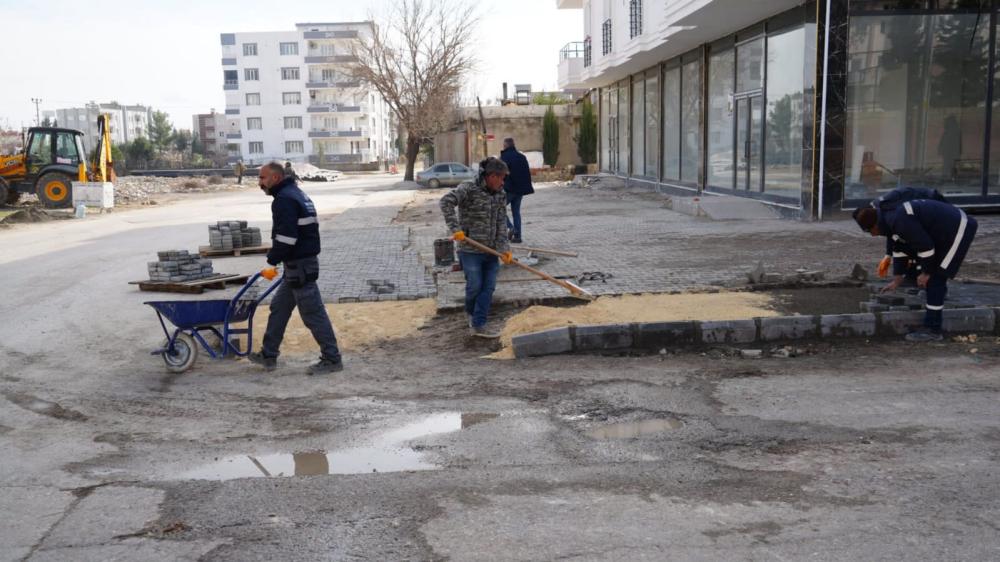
{"x": 637, "y": 308}
{"x": 358, "y": 325}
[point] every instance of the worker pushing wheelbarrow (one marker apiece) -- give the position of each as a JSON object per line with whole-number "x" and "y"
{"x": 192, "y": 318}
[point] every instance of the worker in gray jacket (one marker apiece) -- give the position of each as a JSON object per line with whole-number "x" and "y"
{"x": 482, "y": 216}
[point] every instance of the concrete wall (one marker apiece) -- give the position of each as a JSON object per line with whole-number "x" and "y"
{"x": 522, "y": 123}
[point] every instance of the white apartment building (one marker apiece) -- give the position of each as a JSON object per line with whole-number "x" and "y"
{"x": 128, "y": 122}
{"x": 294, "y": 100}
{"x": 811, "y": 106}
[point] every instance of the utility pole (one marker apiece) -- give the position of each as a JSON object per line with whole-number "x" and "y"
{"x": 37, "y": 101}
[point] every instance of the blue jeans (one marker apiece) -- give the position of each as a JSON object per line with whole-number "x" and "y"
{"x": 480, "y": 281}
{"x": 515, "y": 209}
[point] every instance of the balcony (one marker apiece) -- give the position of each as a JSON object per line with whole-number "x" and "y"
{"x": 354, "y": 134}
{"x": 606, "y": 37}
{"x": 231, "y": 85}
{"x": 320, "y": 84}
{"x": 330, "y": 59}
{"x": 342, "y": 34}
{"x": 231, "y": 136}
{"x": 314, "y": 159}
{"x": 232, "y": 111}
{"x": 227, "y": 61}
{"x": 571, "y": 62}
{"x": 336, "y": 108}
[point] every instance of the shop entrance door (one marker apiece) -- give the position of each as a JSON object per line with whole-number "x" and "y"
{"x": 748, "y": 142}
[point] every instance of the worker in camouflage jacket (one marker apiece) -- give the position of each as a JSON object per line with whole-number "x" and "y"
{"x": 477, "y": 210}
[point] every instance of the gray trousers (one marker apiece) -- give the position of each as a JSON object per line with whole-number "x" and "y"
{"x": 305, "y": 295}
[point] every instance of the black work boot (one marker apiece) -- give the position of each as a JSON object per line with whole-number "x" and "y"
{"x": 326, "y": 366}
{"x": 269, "y": 363}
{"x": 924, "y": 335}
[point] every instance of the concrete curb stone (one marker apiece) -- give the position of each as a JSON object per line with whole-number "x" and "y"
{"x": 847, "y": 325}
{"x": 898, "y": 323}
{"x": 727, "y": 331}
{"x": 788, "y": 327}
{"x": 548, "y": 342}
{"x": 658, "y": 335}
{"x": 968, "y": 320}
{"x": 602, "y": 337}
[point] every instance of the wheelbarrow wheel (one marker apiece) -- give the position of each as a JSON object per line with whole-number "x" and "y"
{"x": 184, "y": 355}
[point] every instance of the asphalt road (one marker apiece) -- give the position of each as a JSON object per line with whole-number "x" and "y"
{"x": 422, "y": 450}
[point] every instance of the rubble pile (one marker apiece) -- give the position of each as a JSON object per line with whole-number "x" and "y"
{"x": 226, "y": 235}
{"x": 178, "y": 266}
{"x": 139, "y": 189}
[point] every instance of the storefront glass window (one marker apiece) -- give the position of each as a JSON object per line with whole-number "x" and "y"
{"x": 721, "y": 81}
{"x": 994, "y": 177}
{"x": 916, "y": 103}
{"x": 652, "y": 127}
{"x": 605, "y": 115}
{"x": 638, "y": 122}
{"x": 671, "y": 124}
{"x": 690, "y": 125}
{"x": 750, "y": 65}
{"x": 783, "y": 148}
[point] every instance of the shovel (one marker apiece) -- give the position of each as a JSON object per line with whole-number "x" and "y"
{"x": 574, "y": 290}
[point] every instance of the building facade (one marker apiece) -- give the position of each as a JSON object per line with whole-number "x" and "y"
{"x": 814, "y": 107}
{"x": 294, "y": 99}
{"x": 212, "y": 129}
{"x": 128, "y": 122}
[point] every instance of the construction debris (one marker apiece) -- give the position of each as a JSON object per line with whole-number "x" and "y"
{"x": 859, "y": 272}
{"x": 178, "y": 266}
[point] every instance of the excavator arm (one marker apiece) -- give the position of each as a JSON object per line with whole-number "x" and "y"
{"x": 102, "y": 169}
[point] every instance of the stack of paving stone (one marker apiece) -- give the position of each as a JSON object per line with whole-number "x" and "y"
{"x": 178, "y": 266}
{"x": 226, "y": 235}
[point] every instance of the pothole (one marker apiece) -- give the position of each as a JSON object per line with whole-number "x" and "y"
{"x": 386, "y": 452}
{"x": 631, "y": 430}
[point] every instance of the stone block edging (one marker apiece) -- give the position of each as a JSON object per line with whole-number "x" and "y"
{"x": 653, "y": 336}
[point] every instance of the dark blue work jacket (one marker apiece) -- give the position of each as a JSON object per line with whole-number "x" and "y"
{"x": 294, "y": 225}
{"x": 933, "y": 233}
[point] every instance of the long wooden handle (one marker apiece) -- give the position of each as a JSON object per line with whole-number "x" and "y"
{"x": 484, "y": 248}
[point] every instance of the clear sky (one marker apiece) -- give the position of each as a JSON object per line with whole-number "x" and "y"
{"x": 166, "y": 53}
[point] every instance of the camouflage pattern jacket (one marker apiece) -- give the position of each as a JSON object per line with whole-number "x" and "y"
{"x": 481, "y": 215}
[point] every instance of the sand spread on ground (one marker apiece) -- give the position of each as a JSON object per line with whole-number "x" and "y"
{"x": 636, "y": 308}
{"x": 358, "y": 325}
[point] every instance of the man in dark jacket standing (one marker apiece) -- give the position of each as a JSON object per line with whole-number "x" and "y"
{"x": 936, "y": 235}
{"x": 517, "y": 185}
{"x": 295, "y": 243}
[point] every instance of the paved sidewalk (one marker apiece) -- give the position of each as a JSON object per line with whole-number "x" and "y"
{"x": 645, "y": 247}
{"x": 367, "y": 258}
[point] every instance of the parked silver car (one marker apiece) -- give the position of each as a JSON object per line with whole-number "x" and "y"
{"x": 445, "y": 173}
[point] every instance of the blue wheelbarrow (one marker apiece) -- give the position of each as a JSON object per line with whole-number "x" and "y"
{"x": 217, "y": 317}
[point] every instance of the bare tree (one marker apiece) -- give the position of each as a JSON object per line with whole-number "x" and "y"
{"x": 416, "y": 58}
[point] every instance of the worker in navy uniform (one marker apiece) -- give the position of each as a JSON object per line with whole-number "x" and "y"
{"x": 891, "y": 200}
{"x": 295, "y": 245}
{"x": 934, "y": 234}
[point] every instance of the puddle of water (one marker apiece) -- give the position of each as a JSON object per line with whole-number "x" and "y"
{"x": 635, "y": 429}
{"x": 386, "y": 453}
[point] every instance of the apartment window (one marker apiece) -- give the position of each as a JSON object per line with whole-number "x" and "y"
{"x": 291, "y": 98}
{"x": 606, "y": 37}
{"x": 329, "y": 75}
{"x": 253, "y": 99}
{"x": 230, "y": 77}
{"x": 290, "y": 73}
{"x": 254, "y": 123}
{"x": 294, "y": 147}
{"x": 289, "y": 48}
{"x": 330, "y": 123}
{"x": 257, "y": 147}
{"x": 249, "y": 49}
{"x": 251, "y": 74}
{"x": 634, "y": 18}
{"x": 293, "y": 122}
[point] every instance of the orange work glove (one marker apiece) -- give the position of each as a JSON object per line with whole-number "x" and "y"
{"x": 458, "y": 236}
{"x": 269, "y": 273}
{"x": 507, "y": 257}
{"x": 883, "y": 266}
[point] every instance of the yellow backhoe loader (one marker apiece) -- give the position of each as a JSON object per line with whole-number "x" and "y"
{"x": 52, "y": 158}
